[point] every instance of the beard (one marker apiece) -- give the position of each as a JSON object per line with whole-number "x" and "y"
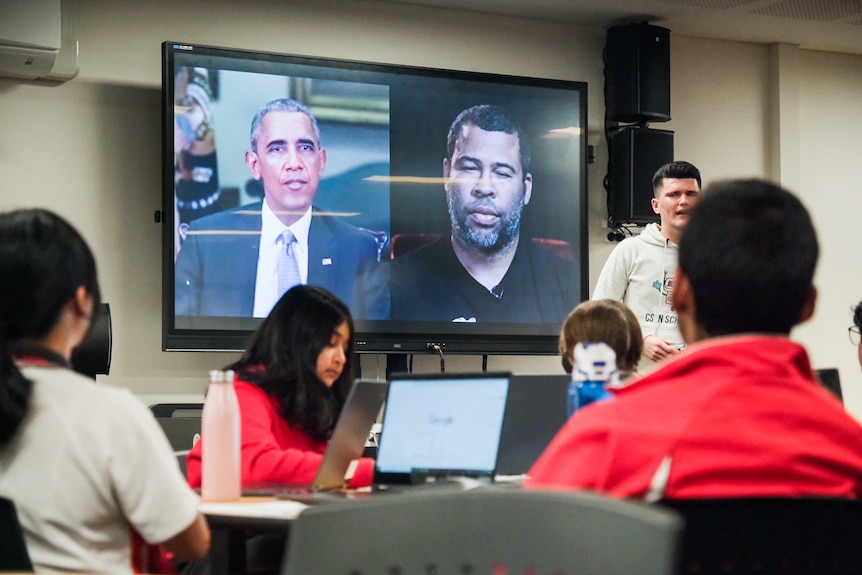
{"x": 485, "y": 239}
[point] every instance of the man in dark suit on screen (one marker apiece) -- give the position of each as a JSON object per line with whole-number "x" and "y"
{"x": 239, "y": 262}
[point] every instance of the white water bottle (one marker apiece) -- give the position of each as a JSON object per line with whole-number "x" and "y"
{"x": 221, "y": 440}
{"x": 595, "y": 369}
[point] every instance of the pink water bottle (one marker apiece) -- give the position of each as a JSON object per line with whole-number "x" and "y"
{"x": 220, "y": 436}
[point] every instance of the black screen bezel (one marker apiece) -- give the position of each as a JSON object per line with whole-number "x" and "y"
{"x": 370, "y": 336}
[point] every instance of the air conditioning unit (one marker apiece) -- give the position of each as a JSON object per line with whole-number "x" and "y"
{"x": 38, "y": 40}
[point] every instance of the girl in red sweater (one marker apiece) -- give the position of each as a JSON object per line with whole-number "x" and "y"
{"x": 291, "y": 384}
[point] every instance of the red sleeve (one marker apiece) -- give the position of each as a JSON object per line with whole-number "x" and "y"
{"x": 193, "y": 466}
{"x": 363, "y": 474}
{"x": 272, "y": 451}
{"x": 572, "y": 460}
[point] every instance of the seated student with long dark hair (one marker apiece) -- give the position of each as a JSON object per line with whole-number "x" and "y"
{"x": 291, "y": 384}
{"x": 82, "y": 463}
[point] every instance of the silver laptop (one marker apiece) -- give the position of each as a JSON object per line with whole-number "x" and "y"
{"x": 348, "y": 440}
{"x": 440, "y": 426}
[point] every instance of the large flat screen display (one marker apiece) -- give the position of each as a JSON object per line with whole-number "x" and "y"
{"x": 445, "y": 208}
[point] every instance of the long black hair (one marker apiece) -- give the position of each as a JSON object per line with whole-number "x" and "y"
{"x": 282, "y": 358}
{"x": 44, "y": 260}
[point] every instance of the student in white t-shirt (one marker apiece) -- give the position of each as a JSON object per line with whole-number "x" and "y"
{"x": 84, "y": 464}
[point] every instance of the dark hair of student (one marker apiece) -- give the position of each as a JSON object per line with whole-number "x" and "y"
{"x": 749, "y": 251}
{"x": 675, "y": 171}
{"x": 857, "y": 315}
{"x": 44, "y": 260}
{"x": 491, "y": 119}
{"x": 282, "y": 358}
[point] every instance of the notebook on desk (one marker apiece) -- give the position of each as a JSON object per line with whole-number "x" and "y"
{"x": 440, "y": 426}
{"x": 348, "y": 440}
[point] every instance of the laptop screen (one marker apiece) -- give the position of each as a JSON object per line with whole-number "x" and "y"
{"x": 441, "y": 425}
{"x": 535, "y": 412}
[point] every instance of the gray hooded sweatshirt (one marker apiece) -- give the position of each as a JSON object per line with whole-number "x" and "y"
{"x": 639, "y": 272}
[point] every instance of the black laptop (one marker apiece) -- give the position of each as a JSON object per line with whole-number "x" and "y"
{"x": 535, "y": 412}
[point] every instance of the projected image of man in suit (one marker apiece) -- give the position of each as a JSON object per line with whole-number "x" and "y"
{"x": 239, "y": 262}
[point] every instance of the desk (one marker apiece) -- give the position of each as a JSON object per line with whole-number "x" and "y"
{"x": 232, "y": 524}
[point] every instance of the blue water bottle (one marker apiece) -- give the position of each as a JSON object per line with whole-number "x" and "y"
{"x": 595, "y": 368}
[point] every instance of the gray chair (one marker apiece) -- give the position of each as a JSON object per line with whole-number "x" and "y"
{"x": 13, "y": 549}
{"x": 181, "y": 422}
{"x": 485, "y": 530}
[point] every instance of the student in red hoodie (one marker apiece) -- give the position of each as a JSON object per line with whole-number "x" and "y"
{"x": 739, "y": 412}
{"x": 291, "y": 384}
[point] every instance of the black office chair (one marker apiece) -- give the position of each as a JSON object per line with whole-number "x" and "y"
{"x": 770, "y": 535}
{"x": 13, "y": 549}
{"x": 831, "y": 380}
{"x": 485, "y": 530}
{"x": 93, "y": 355}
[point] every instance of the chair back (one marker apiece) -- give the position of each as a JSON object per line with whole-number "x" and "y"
{"x": 830, "y": 379}
{"x": 13, "y": 549}
{"x": 93, "y": 355}
{"x": 770, "y": 535}
{"x": 484, "y": 531}
{"x": 181, "y": 422}
{"x": 403, "y": 243}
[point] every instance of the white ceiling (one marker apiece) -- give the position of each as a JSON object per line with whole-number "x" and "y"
{"x": 831, "y": 25}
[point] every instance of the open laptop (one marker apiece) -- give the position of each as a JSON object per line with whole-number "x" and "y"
{"x": 348, "y": 440}
{"x": 440, "y": 426}
{"x": 535, "y": 412}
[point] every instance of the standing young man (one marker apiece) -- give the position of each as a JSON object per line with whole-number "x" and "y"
{"x": 640, "y": 270}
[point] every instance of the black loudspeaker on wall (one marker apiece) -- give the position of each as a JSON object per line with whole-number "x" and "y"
{"x": 635, "y": 155}
{"x": 637, "y": 73}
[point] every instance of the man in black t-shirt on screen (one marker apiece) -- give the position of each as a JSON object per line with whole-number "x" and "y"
{"x": 483, "y": 271}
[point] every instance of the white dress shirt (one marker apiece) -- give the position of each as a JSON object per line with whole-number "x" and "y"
{"x": 266, "y": 284}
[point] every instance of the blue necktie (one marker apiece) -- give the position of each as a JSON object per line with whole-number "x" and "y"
{"x": 288, "y": 267}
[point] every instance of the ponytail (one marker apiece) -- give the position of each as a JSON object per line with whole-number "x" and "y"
{"x": 15, "y": 392}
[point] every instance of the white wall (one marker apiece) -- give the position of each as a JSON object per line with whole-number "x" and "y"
{"x": 830, "y": 151}
{"x": 90, "y": 148}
